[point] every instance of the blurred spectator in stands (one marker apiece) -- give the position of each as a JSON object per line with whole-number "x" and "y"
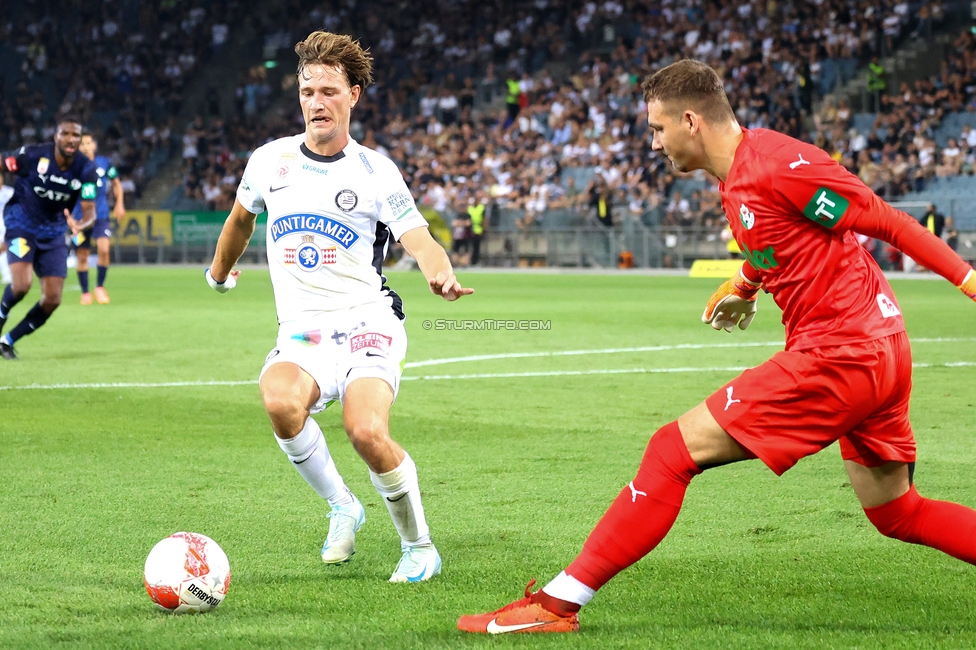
{"x": 570, "y": 197}
{"x": 844, "y": 115}
{"x": 212, "y": 190}
{"x": 512, "y": 100}
{"x": 876, "y": 82}
{"x": 950, "y": 234}
{"x": 952, "y": 160}
{"x": 478, "y": 206}
{"x": 678, "y": 210}
{"x": 461, "y": 237}
{"x": 933, "y": 220}
{"x": 488, "y": 83}
{"x": 601, "y": 200}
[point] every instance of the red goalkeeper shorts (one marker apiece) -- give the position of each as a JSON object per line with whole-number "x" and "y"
{"x": 797, "y": 403}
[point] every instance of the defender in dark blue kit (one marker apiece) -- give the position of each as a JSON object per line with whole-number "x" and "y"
{"x": 101, "y": 232}
{"x": 50, "y": 179}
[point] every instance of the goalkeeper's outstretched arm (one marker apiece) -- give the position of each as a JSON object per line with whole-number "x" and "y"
{"x": 881, "y": 221}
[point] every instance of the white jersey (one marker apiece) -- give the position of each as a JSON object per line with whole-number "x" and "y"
{"x": 330, "y": 219}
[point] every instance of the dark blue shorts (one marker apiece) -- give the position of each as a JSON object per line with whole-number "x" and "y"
{"x": 48, "y": 256}
{"x": 101, "y": 228}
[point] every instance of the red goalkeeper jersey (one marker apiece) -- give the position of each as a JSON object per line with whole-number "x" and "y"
{"x": 793, "y": 211}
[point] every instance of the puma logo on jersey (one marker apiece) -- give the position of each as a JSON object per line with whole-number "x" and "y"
{"x": 730, "y": 402}
{"x": 797, "y": 163}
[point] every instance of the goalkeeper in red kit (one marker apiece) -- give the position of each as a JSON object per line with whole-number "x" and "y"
{"x": 845, "y": 374}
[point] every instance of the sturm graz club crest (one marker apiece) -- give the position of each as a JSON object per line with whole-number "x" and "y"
{"x": 346, "y": 200}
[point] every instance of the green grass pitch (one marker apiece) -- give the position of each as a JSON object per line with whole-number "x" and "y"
{"x": 515, "y": 472}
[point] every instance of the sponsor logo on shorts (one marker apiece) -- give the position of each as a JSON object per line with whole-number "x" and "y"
{"x": 311, "y": 338}
{"x": 341, "y": 337}
{"x": 19, "y": 247}
{"x": 373, "y": 340}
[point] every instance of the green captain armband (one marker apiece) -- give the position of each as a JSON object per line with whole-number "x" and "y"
{"x": 826, "y": 207}
{"x": 88, "y": 191}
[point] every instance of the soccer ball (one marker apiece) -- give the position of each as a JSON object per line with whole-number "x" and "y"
{"x": 187, "y": 573}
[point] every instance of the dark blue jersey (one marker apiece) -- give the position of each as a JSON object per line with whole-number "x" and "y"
{"x": 43, "y": 190}
{"x": 106, "y": 174}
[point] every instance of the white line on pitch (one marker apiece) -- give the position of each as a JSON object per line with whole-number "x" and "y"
{"x": 625, "y": 371}
{"x": 162, "y": 384}
{"x": 498, "y": 375}
{"x": 649, "y": 348}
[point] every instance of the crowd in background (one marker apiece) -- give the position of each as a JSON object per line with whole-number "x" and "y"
{"x": 899, "y": 153}
{"x": 529, "y": 106}
{"x": 456, "y": 142}
{"x": 121, "y": 67}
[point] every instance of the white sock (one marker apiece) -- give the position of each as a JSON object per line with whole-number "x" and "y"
{"x": 309, "y": 454}
{"x": 400, "y": 490}
{"x": 5, "y": 277}
{"x": 566, "y": 587}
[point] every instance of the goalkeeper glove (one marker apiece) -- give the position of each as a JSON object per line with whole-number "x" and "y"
{"x": 733, "y": 304}
{"x": 221, "y": 287}
{"x": 968, "y": 285}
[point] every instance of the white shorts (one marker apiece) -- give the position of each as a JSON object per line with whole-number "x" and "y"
{"x": 339, "y": 347}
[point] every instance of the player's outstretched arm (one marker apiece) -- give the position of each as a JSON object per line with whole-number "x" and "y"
{"x": 434, "y": 264}
{"x": 231, "y": 244}
{"x": 881, "y": 221}
{"x": 735, "y": 301}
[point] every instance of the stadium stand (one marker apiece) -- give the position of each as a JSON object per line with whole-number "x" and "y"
{"x": 438, "y": 107}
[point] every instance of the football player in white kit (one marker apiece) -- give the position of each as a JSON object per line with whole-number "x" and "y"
{"x": 333, "y": 206}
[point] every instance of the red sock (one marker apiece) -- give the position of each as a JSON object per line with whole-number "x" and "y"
{"x": 948, "y": 527}
{"x": 642, "y": 514}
